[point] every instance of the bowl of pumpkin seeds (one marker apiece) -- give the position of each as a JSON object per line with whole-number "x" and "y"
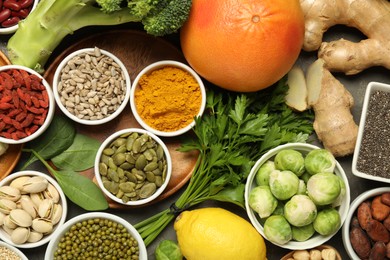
{"x": 133, "y": 166}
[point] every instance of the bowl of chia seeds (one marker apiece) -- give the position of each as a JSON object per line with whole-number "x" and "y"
{"x": 133, "y": 167}
{"x": 91, "y": 86}
{"x": 109, "y": 237}
{"x": 373, "y": 143}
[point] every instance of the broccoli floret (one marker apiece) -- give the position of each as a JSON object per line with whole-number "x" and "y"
{"x": 52, "y": 20}
{"x": 167, "y": 18}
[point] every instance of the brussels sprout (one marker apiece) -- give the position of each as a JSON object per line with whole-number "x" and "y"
{"x": 305, "y": 176}
{"x": 168, "y": 250}
{"x": 262, "y": 175}
{"x": 302, "y": 187}
{"x": 290, "y": 160}
{"x": 262, "y": 201}
{"x": 283, "y": 184}
{"x": 319, "y": 160}
{"x": 327, "y": 221}
{"x": 277, "y": 229}
{"x": 340, "y": 198}
{"x": 323, "y": 188}
{"x": 300, "y": 210}
{"x": 279, "y": 209}
{"x": 301, "y": 234}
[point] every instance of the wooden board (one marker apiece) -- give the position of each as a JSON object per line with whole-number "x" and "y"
{"x": 136, "y": 50}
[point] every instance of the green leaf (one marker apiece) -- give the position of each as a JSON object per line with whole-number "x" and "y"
{"x": 233, "y": 195}
{"x": 81, "y": 190}
{"x": 79, "y": 156}
{"x": 239, "y": 109}
{"x": 56, "y": 139}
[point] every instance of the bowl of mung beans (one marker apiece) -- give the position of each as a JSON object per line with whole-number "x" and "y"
{"x": 133, "y": 167}
{"x": 96, "y": 235}
{"x": 166, "y": 97}
{"x": 91, "y": 86}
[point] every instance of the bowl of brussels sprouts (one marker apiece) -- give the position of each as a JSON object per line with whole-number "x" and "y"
{"x": 297, "y": 196}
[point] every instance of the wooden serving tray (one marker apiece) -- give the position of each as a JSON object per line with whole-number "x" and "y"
{"x": 136, "y": 50}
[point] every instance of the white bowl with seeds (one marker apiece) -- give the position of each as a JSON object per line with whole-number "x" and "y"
{"x": 32, "y": 207}
{"x": 133, "y": 167}
{"x": 91, "y": 86}
{"x": 10, "y": 252}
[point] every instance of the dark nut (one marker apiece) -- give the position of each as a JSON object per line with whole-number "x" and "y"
{"x": 360, "y": 242}
{"x": 377, "y": 231}
{"x": 378, "y": 251}
{"x": 385, "y": 198}
{"x": 364, "y": 214}
{"x": 379, "y": 210}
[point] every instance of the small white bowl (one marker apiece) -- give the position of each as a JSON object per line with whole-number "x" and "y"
{"x": 14, "y": 249}
{"x": 159, "y": 65}
{"x": 371, "y": 88}
{"x": 315, "y": 240}
{"x": 158, "y": 191}
{"x": 46, "y": 238}
{"x": 61, "y": 231}
{"x": 12, "y": 29}
{"x": 51, "y": 108}
{"x": 57, "y": 95}
{"x": 352, "y": 212}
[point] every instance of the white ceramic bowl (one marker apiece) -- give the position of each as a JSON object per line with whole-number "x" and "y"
{"x": 15, "y": 250}
{"x": 61, "y": 231}
{"x": 370, "y": 194}
{"x": 57, "y": 95}
{"x": 46, "y": 238}
{"x": 159, "y": 190}
{"x": 315, "y": 240}
{"x": 12, "y": 29}
{"x": 159, "y": 65}
{"x": 372, "y": 86}
{"x": 50, "y": 112}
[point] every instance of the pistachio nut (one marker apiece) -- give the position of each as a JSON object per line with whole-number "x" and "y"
{"x": 20, "y": 235}
{"x": 37, "y": 198}
{"x": 45, "y": 209}
{"x": 9, "y": 193}
{"x": 35, "y": 184}
{"x": 9, "y": 223}
{"x": 57, "y": 214}
{"x": 51, "y": 193}
{"x": 18, "y": 182}
{"x": 34, "y": 236}
{"x": 7, "y": 205}
{"x": 28, "y": 205}
{"x": 7, "y": 230}
{"x": 42, "y": 225}
{"x": 2, "y": 216}
{"x": 21, "y": 217}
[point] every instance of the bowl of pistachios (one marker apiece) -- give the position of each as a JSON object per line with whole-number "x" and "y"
{"x": 133, "y": 166}
{"x": 32, "y": 207}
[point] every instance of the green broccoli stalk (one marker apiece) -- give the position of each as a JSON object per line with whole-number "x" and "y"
{"x": 43, "y": 30}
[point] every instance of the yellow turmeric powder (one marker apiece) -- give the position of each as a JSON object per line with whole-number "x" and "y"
{"x": 168, "y": 99}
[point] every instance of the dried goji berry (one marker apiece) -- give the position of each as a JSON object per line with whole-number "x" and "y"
{"x": 6, "y": 99}
{"x": 35, "y": 110}
{"x": 31, "y": 130}
{"x": 6, "y": 135}
{"x": 15, "y": 99}
{"x": 35, "y": 101}
{"x": 17, "y": 77}
{"x": 17, "y": 125}
{"x": 7, "y": 120}
{"x": 26, "y": 78}
{"x": 8, "y": 82}
{"x": 15, "y": 112}
{"x": 28, "y": 120}
{"x": 5, "y": 106}
{"x": 21, "y": 116}
{"x": 2, "y": 126}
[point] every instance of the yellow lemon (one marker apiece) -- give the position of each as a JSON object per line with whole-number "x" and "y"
{"x": 216, "y": 233}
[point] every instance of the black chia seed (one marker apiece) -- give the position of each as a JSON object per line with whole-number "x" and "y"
{"x": 374, "y": 154}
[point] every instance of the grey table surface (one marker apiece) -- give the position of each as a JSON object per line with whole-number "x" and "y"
{"x": 355, "y": 84}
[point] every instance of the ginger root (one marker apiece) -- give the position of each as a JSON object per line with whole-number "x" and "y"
{"x": 331, "y": 103}
{"x": 296, "y": 97}
{"x": 371, "y": 17}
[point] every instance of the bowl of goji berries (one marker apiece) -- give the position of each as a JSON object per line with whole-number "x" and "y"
{"x": 12, "y": 12}
{"x": 26, "y": 104}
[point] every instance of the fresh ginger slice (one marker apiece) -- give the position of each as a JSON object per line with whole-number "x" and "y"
{"x": 296, "y": 97}
{"x": 331, "y": 103}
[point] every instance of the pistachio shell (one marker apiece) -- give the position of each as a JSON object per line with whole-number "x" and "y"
{"x": 10, "y": 193}
{"x": 28, "y": 205}
{"x": 37, "y": 198}
{"x": 18, "y": 182}
{"x": 8, "y": 230}
{"x": 7, "y": 205}
{"x": 34, "y": 236}
{"x": 42, "y": 225}
{"x": 57, "y": 214}
{"x": 9, "y": 223}
{"x": 45, "y": 209}
{"x": 2, "y": 216}
{"x": 21, "y": 217}
{"x": 20, "y": 235}
{"x": 51, "y": 193}
{"x": 35, "y": 184}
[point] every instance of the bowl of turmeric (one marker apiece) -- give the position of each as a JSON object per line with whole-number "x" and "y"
{"x": 166, "y": 97}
